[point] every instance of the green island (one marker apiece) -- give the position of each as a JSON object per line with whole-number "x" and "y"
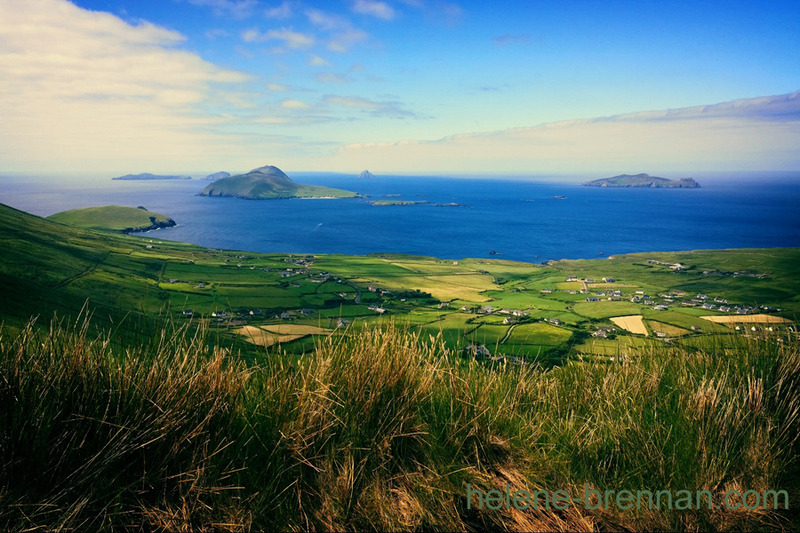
{"x": 397, "y": 202}
{"x": 269, "y": 182}
{"x": 179, "y": 387}
{"x": 113, "y": 218}
{"x": 643, "y": 180}
{"x": 146, "y": 176}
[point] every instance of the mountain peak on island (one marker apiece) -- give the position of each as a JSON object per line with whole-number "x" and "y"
{"x": 366, "y": 174}
{"x": 643, "y": 180}
{"x": 269, "y": 170}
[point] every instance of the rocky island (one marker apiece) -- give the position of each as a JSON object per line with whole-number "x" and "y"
{"x": 366, "y": 175}
{"x": 269, "y": 182}
{"x": 115, "y": 218}
{"x": 218, "y": 175}
{"x": 643, "y": 180}
{"x": 148, "y": 176}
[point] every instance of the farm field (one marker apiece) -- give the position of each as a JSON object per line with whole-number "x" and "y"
{"x": 632, "y": 323}
{"x": 291, "y": 299}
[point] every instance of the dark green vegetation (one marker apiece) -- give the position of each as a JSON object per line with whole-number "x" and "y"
{"x": 145, "y": 417}
{"x": 270, "y": 182}
{"x": 113, "y": 218}
{"x": 643, "y": 180}
{"x": 148, "y": 176}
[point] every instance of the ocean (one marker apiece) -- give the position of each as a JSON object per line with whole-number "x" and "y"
{"x": 518, "y": 220}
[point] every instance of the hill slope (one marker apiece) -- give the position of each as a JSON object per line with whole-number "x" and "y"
{"x": 269, "y": 182}
{"x": 643, "y": 180}
{"x": 115, "y": 218}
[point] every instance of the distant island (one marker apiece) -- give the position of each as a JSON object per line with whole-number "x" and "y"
{"x": 218, "y": 175}
{"x": 269, "y": 182}
{"x": 148, "y": 176}
{"x": 366, "y": 175}
{"x": 643, "y": 180}
{"x": 397, "y": 202}
{"x": 115, "y": 218}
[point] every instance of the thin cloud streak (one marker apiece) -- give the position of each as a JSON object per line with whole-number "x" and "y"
{"x": 374, "y": 8}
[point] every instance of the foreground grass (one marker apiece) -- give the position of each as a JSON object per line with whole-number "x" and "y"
{"x": 382, "y": 430}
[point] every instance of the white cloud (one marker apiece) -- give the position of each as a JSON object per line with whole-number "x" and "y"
{"x": 344, "y": 41}
{"x": 343, "y": 35}
{"x": 376, "y": 108}
{"x": 277, "y": 87}
{"x": 317, "y": 61}
{"x": 752, "y": 134}
{"x": 80, "y": 86}
{"x": 327, "y": 21}
{"x": 283, "y": 11}
{"x": 374, "y": 8}
{"x": 291, "y": 39}
{"x": 294, "y": 104}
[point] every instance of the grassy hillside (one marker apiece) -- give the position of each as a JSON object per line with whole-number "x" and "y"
{"x": 142, "y": 416}
{"x": 391, "y": 431}
{"x": 270, "y": 182}
{"x": 113, "y": 218}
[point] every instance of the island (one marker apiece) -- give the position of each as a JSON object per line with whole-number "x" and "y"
{"x": 397, "y": 202}
{"x": 643, "y": 180}
{"x": 366, "y": 175}
{"x": 218, "y": 175}
{"x": 148, "y": 176}
{"x": 269, "y": 182}
{"x": 114, "y": 218}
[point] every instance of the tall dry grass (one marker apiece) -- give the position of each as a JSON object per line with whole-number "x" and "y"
{"x": 382, "y": 430}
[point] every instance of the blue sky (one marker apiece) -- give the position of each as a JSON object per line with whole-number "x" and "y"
{"x": 399, "y": 85}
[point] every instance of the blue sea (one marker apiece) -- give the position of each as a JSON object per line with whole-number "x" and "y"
{"x": 518, "y": 219}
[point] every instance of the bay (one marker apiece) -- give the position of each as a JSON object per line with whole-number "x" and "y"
{"x": 519, "y": 220}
